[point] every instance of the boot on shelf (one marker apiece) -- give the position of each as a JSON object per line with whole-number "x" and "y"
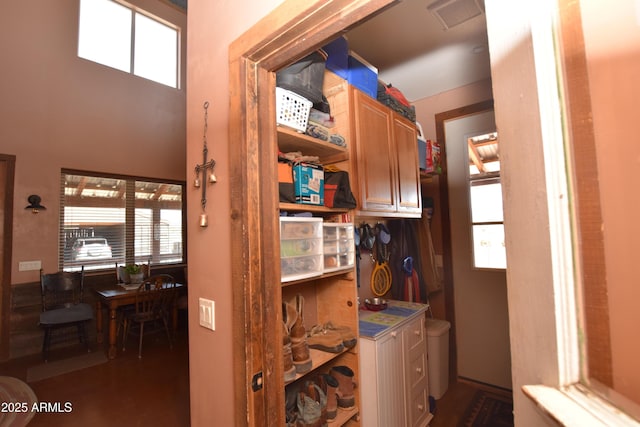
{"x": 289, "y": 368}
{"x": 346, "y": 382}
{"x": 329, "y": 385}
{"x": 312, "y": 406}
{"x": 292, "y": 315}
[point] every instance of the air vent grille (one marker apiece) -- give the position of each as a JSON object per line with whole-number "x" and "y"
{"x": 454, "y": 12}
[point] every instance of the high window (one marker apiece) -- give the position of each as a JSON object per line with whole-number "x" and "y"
{"x": 129, "y": 40}
{"x": 106, "y": 220}
{"x": 485, "y": 192}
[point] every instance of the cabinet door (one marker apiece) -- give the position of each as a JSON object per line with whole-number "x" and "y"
{"x": 391, "y": 381}
{"x": 375, "y": 156}
{"x": 408, "y": 169}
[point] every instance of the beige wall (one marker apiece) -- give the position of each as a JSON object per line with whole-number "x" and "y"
{"x": 426, "y": 109}
{"x": 213, "y": 25}
{"x": 613, "y": 59}
{"x": 60, "y": 111}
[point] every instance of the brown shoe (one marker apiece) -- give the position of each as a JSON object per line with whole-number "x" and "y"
{"x": 325, "y": 340}
{"x": 349, "y": 340}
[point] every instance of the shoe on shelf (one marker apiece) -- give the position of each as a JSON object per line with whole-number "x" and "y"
{"x": 346, "y": 383}
{"x": 312, "y": 406}
{"x": 329, "y": 386}
{"x": 289, "y": 368}
{"x": 325, "y": 339}
{"x": 292, "y": 316}
{"x": 349, "y": 339}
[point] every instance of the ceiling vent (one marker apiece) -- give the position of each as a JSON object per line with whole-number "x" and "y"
{"x": 454, "y": 12}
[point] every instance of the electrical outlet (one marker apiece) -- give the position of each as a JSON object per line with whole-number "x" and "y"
{"x": 206, "y": 309}
{"x": 29, "y": 265}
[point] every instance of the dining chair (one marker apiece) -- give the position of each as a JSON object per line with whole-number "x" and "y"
{"x": 154, "y": 302}
{"x": 63, "y": 305}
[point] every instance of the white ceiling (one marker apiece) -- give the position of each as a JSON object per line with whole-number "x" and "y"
{"x": 414, "y": 53}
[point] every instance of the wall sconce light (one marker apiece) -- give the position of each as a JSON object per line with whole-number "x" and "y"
{"x": 34, "y": 204}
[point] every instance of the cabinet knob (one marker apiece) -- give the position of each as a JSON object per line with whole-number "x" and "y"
{"x": 420, "y": 408}
{"x": 419, "y": 370}
{"x": 417, "y": 332}
{"x": 394, "y": 334}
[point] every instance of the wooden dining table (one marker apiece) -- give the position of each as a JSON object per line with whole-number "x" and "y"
{"x": 117, "y": 296}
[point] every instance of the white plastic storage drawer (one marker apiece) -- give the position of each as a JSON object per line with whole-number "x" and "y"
{"x": 300, "y": 248}
{"x": 338, "y": 246}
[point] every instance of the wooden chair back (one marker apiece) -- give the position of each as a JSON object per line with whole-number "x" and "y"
{"x": 61, "y": 289}
{"x": 156, "y": 295}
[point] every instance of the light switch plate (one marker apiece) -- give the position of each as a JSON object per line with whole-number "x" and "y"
{"x": 29, "y": 265}
{"x": 206, "y": 309}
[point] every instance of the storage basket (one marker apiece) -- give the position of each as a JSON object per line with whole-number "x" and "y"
{"x": 292, "y": 110}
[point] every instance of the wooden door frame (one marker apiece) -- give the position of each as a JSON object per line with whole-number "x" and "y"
{"x": 447, "y": 254}
{"x": 7, "y": 245}
{"x": 289, "y": 32}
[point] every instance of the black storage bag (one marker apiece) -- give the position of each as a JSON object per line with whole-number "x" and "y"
{"x": 305, "y": 77}
{"x": 337, "y": 190}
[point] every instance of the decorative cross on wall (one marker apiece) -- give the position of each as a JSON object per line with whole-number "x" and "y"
{"x": 207, "y": 172}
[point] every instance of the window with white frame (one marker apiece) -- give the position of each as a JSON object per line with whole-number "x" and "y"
{"x": 485, "y": 192}
{"x": 106, "y": 219}
{"x": 115, "y": 35}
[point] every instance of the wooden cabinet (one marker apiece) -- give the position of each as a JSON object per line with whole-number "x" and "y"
{"x": 395, "y": 386}
{"x": 384, "y": 157}
{"x": 332, "y": 295}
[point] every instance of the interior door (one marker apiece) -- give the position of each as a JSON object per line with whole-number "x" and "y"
{"x": 7, "y": 168}
{"x": 480, "y": 295}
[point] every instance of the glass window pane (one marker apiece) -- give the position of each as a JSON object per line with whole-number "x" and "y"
{"x": 93, "y": 222}
{"x": 170, "y": 236}
{"x": 158, "y": 230}
{"x": 156, "y": 51}
{"x": 94, "y": 231}
{"x": 488, "y": 246}
{"x": 143, "y": 235}
{"x": 486, "y": 203}
{"x": 105, "y": 33}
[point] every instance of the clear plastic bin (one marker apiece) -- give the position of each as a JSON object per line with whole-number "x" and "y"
{"x": 300, "y": 248}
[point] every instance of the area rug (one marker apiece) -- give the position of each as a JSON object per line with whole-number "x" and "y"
{"x": 488, "y": 410}
{"x": 64, "y": 366}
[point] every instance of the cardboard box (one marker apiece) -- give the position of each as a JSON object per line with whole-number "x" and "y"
{"x": 308, "y": 181}
{"x": 433, "y": 157}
